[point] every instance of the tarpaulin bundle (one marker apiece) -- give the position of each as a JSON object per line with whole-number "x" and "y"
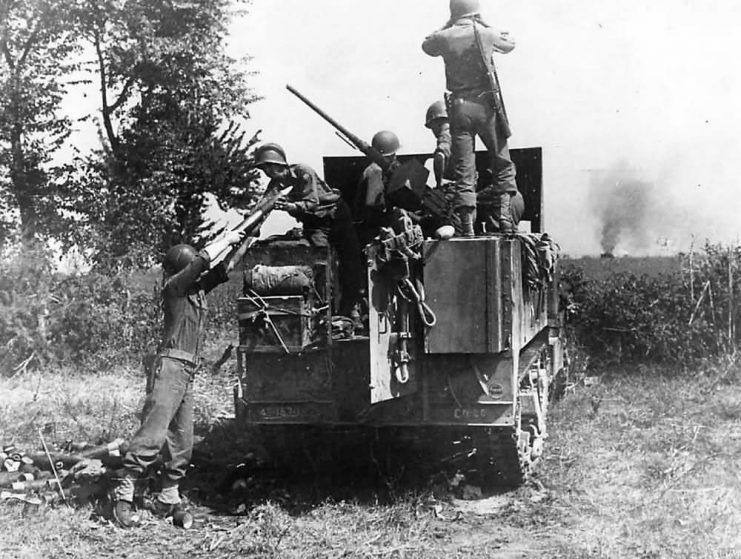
{"x": 278, "y": 280}
{"x": 539, "y": 255}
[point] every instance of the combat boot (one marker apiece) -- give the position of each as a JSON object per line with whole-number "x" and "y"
{"x": 125, "y": 515}
{"x": 504, "y": 214}
{"x": 177, "y": 512}
{"x": 122, "y": 495}
{"x": 467, "y": 216}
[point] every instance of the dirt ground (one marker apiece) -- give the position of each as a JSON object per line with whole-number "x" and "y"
{"x": 637, "y": 464}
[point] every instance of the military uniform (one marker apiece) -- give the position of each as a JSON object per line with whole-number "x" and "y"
{"x": 471, "y": 109}
{"x": 442, "y": 156}
{"x": 370, "y": 205}
{"x": 326, "y": 221}
{"x": 167, "y": 421}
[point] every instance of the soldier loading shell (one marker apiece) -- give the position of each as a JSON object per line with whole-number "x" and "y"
{"x": 167, "y": 421}
{"x": 323, "y": 213}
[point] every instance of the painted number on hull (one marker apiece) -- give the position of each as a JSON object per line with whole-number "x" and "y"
{"x": 279, "y": 412}
{"x": 469, "y": 413}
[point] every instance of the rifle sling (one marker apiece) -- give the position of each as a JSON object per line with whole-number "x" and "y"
{"x": 491, "y": 74}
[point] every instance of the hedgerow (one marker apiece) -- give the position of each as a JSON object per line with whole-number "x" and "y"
{"x": 674, "y": 318}
{"x": 94, "y": 320}
{"x": 87, "y": 319}
{"x": 91, "y": 320}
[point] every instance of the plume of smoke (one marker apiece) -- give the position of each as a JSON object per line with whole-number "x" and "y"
{"x": 623, "y": 203}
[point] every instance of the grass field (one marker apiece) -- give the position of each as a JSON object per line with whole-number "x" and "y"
{"x": 637, "y": 465}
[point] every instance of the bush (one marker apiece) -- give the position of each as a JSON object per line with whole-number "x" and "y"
{"x": 76, "y": 320}
{"x": 672, "y": 318}
{"x": 89, "y": 320}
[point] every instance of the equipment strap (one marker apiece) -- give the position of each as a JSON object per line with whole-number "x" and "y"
{"x": 496, "y": 91}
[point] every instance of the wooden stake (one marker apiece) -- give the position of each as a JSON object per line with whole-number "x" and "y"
{"x": 53, "y": 468}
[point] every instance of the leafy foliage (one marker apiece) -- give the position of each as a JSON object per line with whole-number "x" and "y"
{"x": 170, "y": 100}
{"x": 674, "y": 318}
{"x": 37, "y": 41}
{"x": 85, "y": 319}
{"x": 171, "y": 104}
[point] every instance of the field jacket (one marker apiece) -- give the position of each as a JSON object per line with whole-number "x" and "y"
{"x": 184, "y": 306}
{"x": 465, "y": 72}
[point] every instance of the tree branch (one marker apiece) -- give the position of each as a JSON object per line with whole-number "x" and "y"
{"x": 123, "y": 96}
{"x": 105, "y": 109}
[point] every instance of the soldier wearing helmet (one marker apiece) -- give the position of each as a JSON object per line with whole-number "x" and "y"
{"x": 325, "y": 216}
{"x": 372, "y": 205}
{"x": 168, "y": 409}
{"x": 436, "y": 119}
{"x": 466, "y": 45}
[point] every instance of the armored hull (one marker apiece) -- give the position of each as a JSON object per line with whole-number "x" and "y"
{"x": 456, "y": 352}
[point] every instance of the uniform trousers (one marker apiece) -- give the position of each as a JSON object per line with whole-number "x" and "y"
{"x": 167, "y": 422}
{"x": 338, "y": 231}
{"x": 471, "y": 117}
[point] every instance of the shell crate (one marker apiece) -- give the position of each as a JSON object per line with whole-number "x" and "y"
{"x": 274, "y": 323}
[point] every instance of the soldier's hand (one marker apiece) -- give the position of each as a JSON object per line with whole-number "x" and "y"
{"x": 233, "y": 237}
{"x": 285, "y": 206}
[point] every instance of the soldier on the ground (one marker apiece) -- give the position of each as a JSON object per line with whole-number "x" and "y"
{"x": 167, "y": 421}
{"x": 325, "y": 216}
{"x": 466, "y": 44}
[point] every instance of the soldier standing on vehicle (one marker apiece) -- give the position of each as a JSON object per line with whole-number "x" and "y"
{"x": 371, "y": 206}
{"x": 467, "y": 44}
{"x": 167, "y": 420}
{"x": 324, "y": 214}
{"x": 436, "y": 119}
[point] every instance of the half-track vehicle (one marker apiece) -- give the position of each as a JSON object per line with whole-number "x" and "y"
{"x": 458, "y": 344}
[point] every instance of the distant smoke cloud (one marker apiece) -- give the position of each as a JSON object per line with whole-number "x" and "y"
{"x": 625, "y": 206}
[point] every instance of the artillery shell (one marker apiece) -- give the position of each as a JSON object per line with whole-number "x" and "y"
{"x": 31, "y": 485}
{"x": 182, "y": 519}
{"x": 8, "y": 478}
{"x": 113, "y": 448}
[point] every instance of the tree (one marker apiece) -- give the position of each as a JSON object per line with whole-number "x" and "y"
{"x": 170, "y": 99}
{"x": 36, "y": 43}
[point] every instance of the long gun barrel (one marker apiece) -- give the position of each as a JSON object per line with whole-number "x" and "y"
{"x": 411, "y": 172}
{"x": 373, "y": 154}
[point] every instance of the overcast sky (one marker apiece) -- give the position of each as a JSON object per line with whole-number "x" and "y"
{"x": 615, "y": 92}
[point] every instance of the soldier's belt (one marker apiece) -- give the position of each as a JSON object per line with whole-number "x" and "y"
{"x": 178, "y": 354}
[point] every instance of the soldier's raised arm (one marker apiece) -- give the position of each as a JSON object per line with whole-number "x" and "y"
{"x": 502, "y": 42}
{"x": 431, "y": 45}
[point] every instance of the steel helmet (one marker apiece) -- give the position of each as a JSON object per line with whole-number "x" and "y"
{"x": 385, "y": 142}
{"x": 460, "y": 8}
{"x": 178, "y": 257}
{"x": 270, "y": 153}
{"x": 435, "y": 111}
